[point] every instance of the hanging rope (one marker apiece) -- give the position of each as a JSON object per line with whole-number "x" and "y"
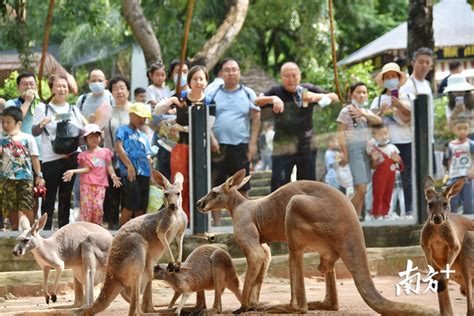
{"x": 333, "y": 51}
{"x": 189, "y": 16}
{"x": 44, "y": 50}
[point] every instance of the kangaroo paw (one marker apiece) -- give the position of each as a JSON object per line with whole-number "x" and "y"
{"x": 177, "y": 266}
{"x": 324, "y": 305}
{"x": 46, "y": 296}
{"x": 170, "y": 267}
{"x": 54, "y": 298}
{"x": 243, "y": 309}
{"x": 283, "y": 309}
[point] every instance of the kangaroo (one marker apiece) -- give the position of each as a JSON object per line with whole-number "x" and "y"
{"x": 208, "y": 267}
{"x": 321, "y": 219}
{"x": 81, "y": 246}
{"x": 138, "y": 245}
{"x": 447, "y": 239}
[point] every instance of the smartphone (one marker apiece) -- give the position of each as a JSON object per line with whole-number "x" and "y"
{"x": 459, "y": 100}
{"x": 394, "y": 93}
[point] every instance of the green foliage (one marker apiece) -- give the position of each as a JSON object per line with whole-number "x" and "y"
{"x": 9, "y": 90}
{"x": 442, "y": 132}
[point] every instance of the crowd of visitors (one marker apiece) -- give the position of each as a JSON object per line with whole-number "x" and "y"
{"x": 108, "y": 141}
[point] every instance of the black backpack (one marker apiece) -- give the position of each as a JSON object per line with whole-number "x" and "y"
{"x": 67, "y": 135}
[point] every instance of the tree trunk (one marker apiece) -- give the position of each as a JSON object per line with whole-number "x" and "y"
{"x": 420, "y": 26}
{"x": 217, "y": 45}
{"x": 142, "y": 30}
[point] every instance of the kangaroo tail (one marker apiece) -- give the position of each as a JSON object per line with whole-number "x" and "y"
{"x": 357, "y": 264}
{"x": 112, "y": 287}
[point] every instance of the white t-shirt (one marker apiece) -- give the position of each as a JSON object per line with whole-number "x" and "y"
{"x": 157, "y": 94}
{"x": 57, "y": 113}
{"x": 412, "y": 88}
{"x": 399, "y": 133}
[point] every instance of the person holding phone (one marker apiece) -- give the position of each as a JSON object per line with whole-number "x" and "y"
{"x": 460, "y": 101}
{"x": 394, "y": 108}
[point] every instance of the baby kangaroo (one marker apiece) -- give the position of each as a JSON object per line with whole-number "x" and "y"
{"x": 80, "y": 246}
{"x": 447, "y": 240}
{"x": 206, "y": 268}
{"x": 136, "y": 248}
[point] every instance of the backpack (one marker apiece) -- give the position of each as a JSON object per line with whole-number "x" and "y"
{"x": 67, "y": 135}
{"x": 221, "y": 87}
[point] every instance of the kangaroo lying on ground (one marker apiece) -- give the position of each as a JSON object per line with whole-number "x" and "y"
{"x": 321, "y": 219}
{"x": 138, "y": 245}
{"x": 81, "y": 246}
{"x": 208, "y": 267}
{"x": 447, "y": 240}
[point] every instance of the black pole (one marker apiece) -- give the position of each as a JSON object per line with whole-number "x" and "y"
{"x": 199, "y": 182}
{"x": 423, "y": 152}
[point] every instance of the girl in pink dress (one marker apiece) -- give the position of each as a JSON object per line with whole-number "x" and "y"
{"x": 95, "y": 163}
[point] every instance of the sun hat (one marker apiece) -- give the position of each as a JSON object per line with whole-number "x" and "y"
{"x": 390, "y": 67}
{"x": 92, "y": 129}
{"x": 458, "y": 82}
{"x": 140, "y": 109}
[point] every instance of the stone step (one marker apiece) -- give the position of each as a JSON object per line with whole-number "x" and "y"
{"x": 257, "y": 183}
{"x": 261, "y": 174}
{"x": 259, "y": 191}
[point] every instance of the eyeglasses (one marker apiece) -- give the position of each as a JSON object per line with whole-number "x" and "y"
{"x": 229, "y": 70}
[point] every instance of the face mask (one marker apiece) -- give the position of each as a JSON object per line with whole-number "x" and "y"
{"x": 391, "y": 84}
{"x": 361, "y": 105}
{"x": 382, "y": 142}
{"x": 97, "y": 87}
{"x": 183, "y": 80}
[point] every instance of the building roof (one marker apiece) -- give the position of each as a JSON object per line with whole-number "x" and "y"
{"x": 453, "y": 25}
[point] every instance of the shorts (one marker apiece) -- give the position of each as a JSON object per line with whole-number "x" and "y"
{"x": 135, "y": 194}
{"x": 231, "y": 159}
{"x": 16, "y": 195}
{"x": 359, "y": 162}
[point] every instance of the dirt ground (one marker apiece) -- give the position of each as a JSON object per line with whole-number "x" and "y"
{"x": 274, "y": 291}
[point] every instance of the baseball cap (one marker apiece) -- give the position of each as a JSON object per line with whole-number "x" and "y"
{"x": 140, "y": 109}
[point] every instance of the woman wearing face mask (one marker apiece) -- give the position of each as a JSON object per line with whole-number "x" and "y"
{"x": 353, "y": 134}
{"x": 395, "y": 110}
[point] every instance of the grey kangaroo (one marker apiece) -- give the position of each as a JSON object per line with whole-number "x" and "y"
{"x": 81, "y": 246}
{"x": 208, "y": 267}
{"x": 447, "y": 240}
{"x": 136, "y": 248}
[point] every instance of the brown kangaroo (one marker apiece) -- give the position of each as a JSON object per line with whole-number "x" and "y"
{"x": 208, "y": 267}
{"x": 447, "y": 240}
{"x": 80, "y": 246}
{"x": 320, "y": 219}
{"x": 138, "y": 245}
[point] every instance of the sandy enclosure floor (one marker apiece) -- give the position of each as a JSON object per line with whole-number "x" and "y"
{"x": 274, "y": 291}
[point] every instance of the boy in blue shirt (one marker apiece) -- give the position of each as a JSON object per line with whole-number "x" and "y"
{"x": 133, "y": 148}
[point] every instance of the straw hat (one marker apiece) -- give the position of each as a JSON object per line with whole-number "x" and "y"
{"x": 390, "y": 67}
{"x": 458, "y": 82}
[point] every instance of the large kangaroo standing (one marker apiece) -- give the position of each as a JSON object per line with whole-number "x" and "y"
{"x": 319, "y": 218}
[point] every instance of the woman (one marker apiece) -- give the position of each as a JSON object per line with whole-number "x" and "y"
{"x": 394, "y": 108}
{"x": 120, "y": 88}
{"x": 45, "y": 121}
{"x": 353, "y": 134}
{"x": 460, "y": 101}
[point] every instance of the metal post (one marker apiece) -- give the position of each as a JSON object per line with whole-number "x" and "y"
{"x": 199, "y": 182}
{"x": 423, "y": 152}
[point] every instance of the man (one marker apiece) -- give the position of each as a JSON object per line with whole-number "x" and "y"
{"x": 293, "y": 113}
{"x": 236, "y": 128}
{"x": 422, "y": 62}
{"x": 454, "y": 68}
{"x": 96, "y": 106}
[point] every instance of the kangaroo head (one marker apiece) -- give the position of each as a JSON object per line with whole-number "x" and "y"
{"x": 171, "y": 192}
{"x": 29, "y": 238}
{"x": 438, "y": 206}
{"x": 218, "y": 197}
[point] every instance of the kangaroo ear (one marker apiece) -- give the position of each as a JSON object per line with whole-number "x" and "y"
{"x": 243, "y": 182}
{"x": 454, "y": 189}
{"x": 160, "y": 179}
{"x": 429, "y": 187}
{"x": 179, "y": 179}
{"x": 39, "y": 225}
{"x": 24, "y": 223}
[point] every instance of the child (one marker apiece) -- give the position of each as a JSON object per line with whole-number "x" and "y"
{"x": 19, "y": 157}
{"x": 157, "y": 91}
{"x": 134, "y": 150}
{"x": 459, "y": 162}
{"x": 139, "y": 95}
{"x": 386, "y": 160}
{"x": 331, "y": 160}
{"x": 96, "y": 163}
